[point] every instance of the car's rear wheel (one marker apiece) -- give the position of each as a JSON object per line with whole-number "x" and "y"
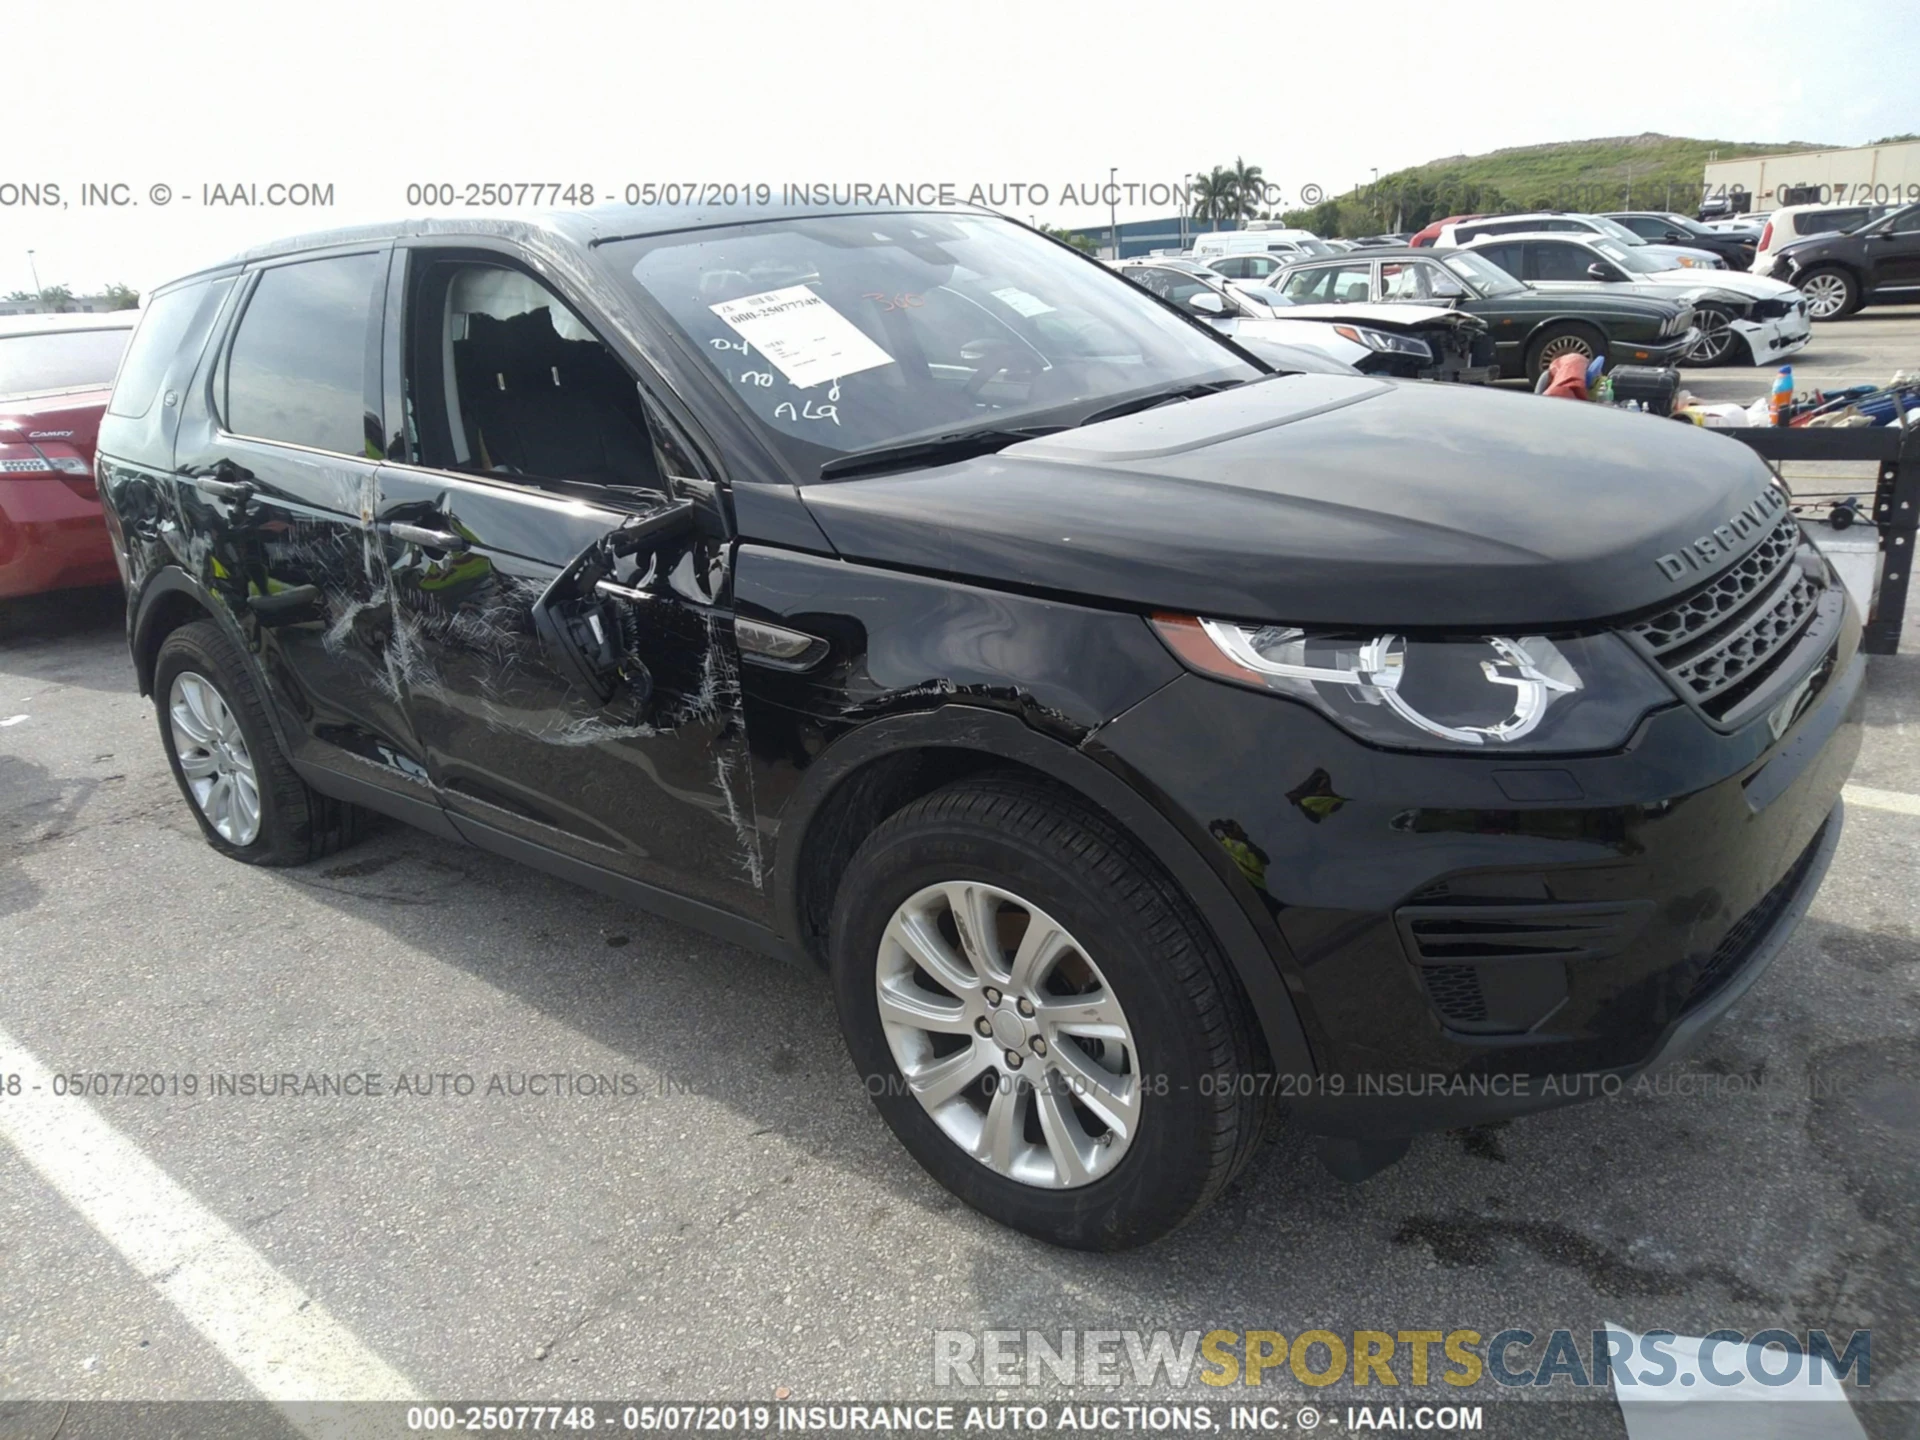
{"x": 1041, "y": 1018}
{"x": 1565, "y": 338}
{"x": 229, "y": 765}
{"x": 1719, "y": 342}
{"x": 1832, "y": 293}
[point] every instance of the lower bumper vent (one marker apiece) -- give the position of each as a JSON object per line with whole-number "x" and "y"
{"x": 1500, "y": 969}
{"x": 1739, "y": 943}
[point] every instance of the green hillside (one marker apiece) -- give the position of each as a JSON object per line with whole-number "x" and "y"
{"x": 1656, "y": 171}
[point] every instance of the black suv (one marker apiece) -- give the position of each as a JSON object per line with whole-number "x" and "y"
{"x": 1137, "y": 735}
{"x": 1876, "y": 263}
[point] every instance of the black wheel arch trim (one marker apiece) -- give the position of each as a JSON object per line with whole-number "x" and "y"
{"x": 1002, "y": 736}
{"x": 144, "y": 644}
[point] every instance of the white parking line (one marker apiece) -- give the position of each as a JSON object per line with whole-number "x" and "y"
{"x": 1874, "y": 799}
{"x": 283, "y": 1341}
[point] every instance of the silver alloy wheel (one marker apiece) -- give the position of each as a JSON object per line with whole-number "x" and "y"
{"x": 1008, "y": 1035}
{"x": 214, "y": 757}
{"x": 1563, "y": 345}
{"x": 1826, "y": 295}
{"x": 1716, "y": 340}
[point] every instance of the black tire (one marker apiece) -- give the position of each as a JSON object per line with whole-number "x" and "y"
{"x": 1736, "y": 351}
{"x": 296, "y": 824}
{"x": 1190, "y": 1021}
{"x": 1552, "y": 337}
{"x": 1839, "y": 275}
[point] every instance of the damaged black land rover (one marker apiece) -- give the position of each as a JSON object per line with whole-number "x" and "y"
{"x": 1134, "y": 733}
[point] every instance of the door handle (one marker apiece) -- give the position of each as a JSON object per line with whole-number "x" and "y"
{"x": 237, "y": 491}
{"x": 425, "y": 538}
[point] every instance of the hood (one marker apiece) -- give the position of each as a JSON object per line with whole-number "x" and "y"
{"x": 1327, "y": 500}
{"x": 1388, "y": 314}
{"x": 70, "y": 418}
{"x": 1676, "y": 252}
{"x": 1740, "y": 282}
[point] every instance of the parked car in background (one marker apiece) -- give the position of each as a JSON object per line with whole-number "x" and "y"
{"x": 55, "y": 375}
{"x": 1877, "y": 263}
{"x": 1530, "y": 328}
{"x": 1742, "y": 317}
{"x": 1802, "y": 222}
{"x": 1431, "y": 231}
{"x": 1369, "y": 242}
{"x": 1734, "y": 247}
{"x": 1419, "y": 343}
{"x": 1677, "y": 256}
{"x": 1253, "y": 267}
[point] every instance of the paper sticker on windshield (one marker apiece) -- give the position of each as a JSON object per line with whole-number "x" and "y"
{"x": 1021, "y": 303}
{"x": 807, "y": 340}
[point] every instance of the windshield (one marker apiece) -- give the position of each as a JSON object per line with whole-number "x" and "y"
{"x": 68, "y": 360}
{"x": 1630, "y": 258}
{"x": 1615, "y": 230}
{"x": 849, "y": 332}
{"x": 1316, "y": 247}
{"x": 1482, "y": 273}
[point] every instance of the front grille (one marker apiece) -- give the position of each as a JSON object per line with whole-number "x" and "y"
{"x": 1720, "y": 642}
{"x": 1739, "y": 943}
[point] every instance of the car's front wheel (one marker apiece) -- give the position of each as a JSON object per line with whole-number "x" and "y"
{"x": 1041, "y": 1018}
{"x": 213, "y": 724}
{"x": 1719, "y": 342}
{"x": 1832, "y": 293}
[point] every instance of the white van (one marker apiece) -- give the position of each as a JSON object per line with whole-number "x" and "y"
{"x": 1216, "y": 243}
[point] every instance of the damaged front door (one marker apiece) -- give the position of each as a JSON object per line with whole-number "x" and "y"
{"x": 560, "y": 606}
{"x": 569, "y": 668}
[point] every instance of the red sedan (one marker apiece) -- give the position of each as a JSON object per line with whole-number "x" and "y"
{"x": 56, "y": 372}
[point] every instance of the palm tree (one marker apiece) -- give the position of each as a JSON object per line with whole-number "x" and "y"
{"x": 1214, "y": 197}
{"x": 1249, "y": 189}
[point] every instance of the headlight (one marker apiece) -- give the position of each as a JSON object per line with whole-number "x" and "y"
{"x": 1385, "y": 342}
{"x": 1491, "y": 693}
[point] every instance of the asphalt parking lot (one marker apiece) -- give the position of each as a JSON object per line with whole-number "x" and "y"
{"x": 743, "y": 1223}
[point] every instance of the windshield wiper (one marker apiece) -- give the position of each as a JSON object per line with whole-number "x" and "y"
{"x": 1162, "y": 397}
{"x": 960, "y": 445}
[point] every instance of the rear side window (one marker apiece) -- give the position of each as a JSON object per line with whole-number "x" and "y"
{"x": 1553, "y": 261}
{"x": 297, "y": 368}
{"x": 65, "y": 360}
{"x": 161, "y": 336}
{"x": 1816, "y": 222}
{"x": 1507, "y": 257}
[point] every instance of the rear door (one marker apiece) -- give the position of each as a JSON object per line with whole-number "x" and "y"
{"x": 560, "y": 580}
{"x": 274, "y": 483}
{"x": 1893, "y": 251}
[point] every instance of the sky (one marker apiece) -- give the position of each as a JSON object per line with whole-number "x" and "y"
{"x": 372, "y": 98}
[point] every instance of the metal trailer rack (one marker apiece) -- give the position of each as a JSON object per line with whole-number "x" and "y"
{"x": 1896, "y": 503}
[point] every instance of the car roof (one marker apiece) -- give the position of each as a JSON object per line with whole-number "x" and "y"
{"x": 64, "y": 323}
{"x": 1572, "y": 235}
{"x": 1367, "y": 252}
{"x": 584, "y": 228}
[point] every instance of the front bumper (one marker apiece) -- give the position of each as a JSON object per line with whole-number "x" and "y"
{"x": 1660, "y": 352}
{"x": 1689, "y": 856}
{"x": 1770, "y": 340}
